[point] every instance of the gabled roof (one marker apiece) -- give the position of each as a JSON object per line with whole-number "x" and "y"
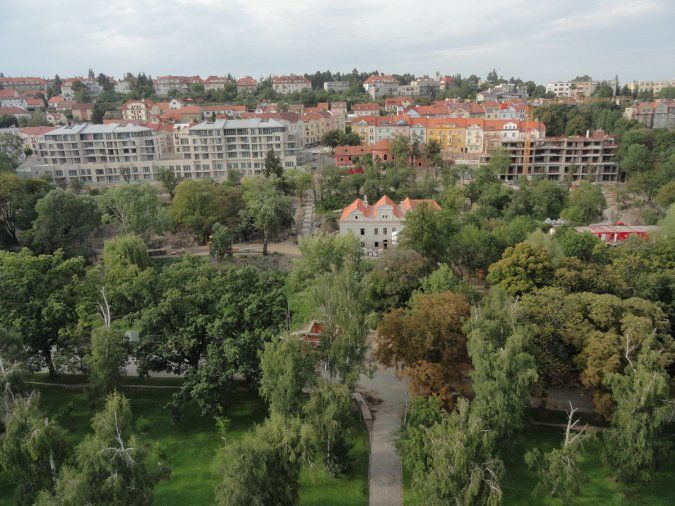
{"x": 398, "y": 210}
{"x": 381, "y": 78}
{"x": 247, "y": 81}
{"x": 9, "y": 94}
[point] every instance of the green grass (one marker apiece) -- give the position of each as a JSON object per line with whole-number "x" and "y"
{"x": 191, "y": 445}
{"x": 599, "y": 487}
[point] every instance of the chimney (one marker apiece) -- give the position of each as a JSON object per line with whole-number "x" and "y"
{"x": 365, "y": 199}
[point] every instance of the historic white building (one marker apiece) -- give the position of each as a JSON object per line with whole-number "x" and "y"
{"x": 376, "y": 226}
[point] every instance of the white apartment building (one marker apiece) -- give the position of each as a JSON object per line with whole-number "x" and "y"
{"x": 376, "y": 226}
{"x": 560, "y": 88}
{"x": 11, "y": 98}
{"x": 286, "y": 85}
{"x": 114, "y": 153}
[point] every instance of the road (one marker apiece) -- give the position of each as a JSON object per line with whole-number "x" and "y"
{"x": 387, "y": 395}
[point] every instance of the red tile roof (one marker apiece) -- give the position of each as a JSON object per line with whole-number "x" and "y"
{"x": 37, "y": 130}
{"x": 381, "y": 78}
{"x": 12, "y": 110}
{"x": 9, "y": 94}
{"x": 369, "y": 211}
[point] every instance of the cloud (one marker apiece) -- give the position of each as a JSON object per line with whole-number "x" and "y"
{"x": 534, "y": 39}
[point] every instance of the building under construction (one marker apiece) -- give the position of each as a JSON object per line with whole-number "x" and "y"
{"x": 590, "y": 157}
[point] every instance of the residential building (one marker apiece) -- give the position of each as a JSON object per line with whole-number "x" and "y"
{"x": 425, "y": 86}
{"x": 33, "y": 136}
{"x": 215, "y": 83}
{"x": 56, "y": 117}
{"x": 82, "y": 113}
{"x": 17, "y": 112}
{"x": 638, "y": 86}
{"x": 378, "y": 86}
{"x": 446, "y": 82}
{"x": 557, "y": 158}
{"x": 368, "y": 109}
{"x": 502, "y": 92}
{"x": 137, "y": 109}
{"x": 560, "y": 88}
{"x": 336, "y": 86}
{"x": 164, "y": 85}
{"x": 285, "y": 85}
{"x": 613, "y": 234}
{"x": 24, "y": 84}
{"x": 122, "y": 87}
{"x": 113, "y": 153}
{"x": 93, "y": 88}
{"x": 657, "y": 114}
{"x": 377, "y": 225}
{"x": 11, "y": 98}
{"x": 246, "y": 85}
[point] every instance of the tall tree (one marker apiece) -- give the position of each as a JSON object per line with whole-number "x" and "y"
{"x": 65, "y": 221}
{"x": 18, "y": 197}
{"x": 559, "y": 470}
{"x": 197, "y": 205}
{"x": 633, "y": 446}
{"x": 286, "y": 369}
{"x": 522, "y": 269}
{"x": 263, "y": 467}
{"x": 136, "y": 207}
{"x": 272, "y": 165}
{"x": 269, "y": 208}
{"x": 112, "y": 465}
{"x": 42, "y": 297}
{"x": 429, "y": 340}
{"x": 32, "y": 448}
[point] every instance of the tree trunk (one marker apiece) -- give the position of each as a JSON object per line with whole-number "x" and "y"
{"x": 265, "y": 241}
{"x": 47, "y": 355}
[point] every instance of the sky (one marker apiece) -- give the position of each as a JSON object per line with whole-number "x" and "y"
{"x": 542, "y": 40}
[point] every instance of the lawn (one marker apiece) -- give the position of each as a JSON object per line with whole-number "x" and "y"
{"x": 191, "y": 445}
{"x": 599, "y": 487}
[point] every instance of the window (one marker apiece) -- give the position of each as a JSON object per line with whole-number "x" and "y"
{"x": 377, "y": 244}
{"x": 384, "y": 231}
{"x": 363, "y": 231}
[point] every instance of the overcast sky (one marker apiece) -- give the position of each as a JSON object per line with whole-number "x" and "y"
{"x": 534, "y": 39}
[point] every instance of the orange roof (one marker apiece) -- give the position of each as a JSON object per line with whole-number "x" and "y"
{"x": 352, "y": 150}
{"x": 247, "y": 81}
{"x": 37, "y": 130}
{"x": 366, "y": 107}
{"x": 410, "y": 204}
{"x": 9, "y": 94}
{"x": 381, "y": 78}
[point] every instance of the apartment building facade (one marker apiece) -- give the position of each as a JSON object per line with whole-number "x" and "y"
{"x": 114, "y": 153}
{"x": 163, "y": 85}
{"x": 336, "y": 86}
{"x": 559, "y": 158}
{"x": 657, "y": 114}
{"x": 24, "y": 84}
{"x": 655, "y": 86}
{"x": 285, "y": 85}
{"x": 246, "y": 85}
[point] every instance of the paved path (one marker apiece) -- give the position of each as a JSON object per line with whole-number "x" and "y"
{"x": 387, "y": 396}
{"x": 307, "y": 226}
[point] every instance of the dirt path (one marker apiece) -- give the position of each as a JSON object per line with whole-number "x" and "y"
{"x": 387, "y": 396}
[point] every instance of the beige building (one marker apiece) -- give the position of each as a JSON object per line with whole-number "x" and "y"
{"x": 285, "y": 85}
{"x": 655, "y": 86}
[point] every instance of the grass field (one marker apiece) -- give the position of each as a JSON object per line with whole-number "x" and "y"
{"x": 192, "y": 444}
{"x": 599, "y": 487}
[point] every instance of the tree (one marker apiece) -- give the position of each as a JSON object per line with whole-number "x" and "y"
{"x": 395, "y": 277}
{"x": 11, "y": 146}
{"x": 633, "y": 448}
{"x": 267, "y": 206}
{"x": 65, "y": 221}
{"x": 584, "y": 205}
{"x": 429, "y": 341}
{"x": 32, "y": 448}
{"x": 18, "y": 197}
{"x": 108, "y": 354}
{"x": 263, "y": 467}
{"x": 197, "y": 206}
{"x": 337, "y": 300}
{"x": 577, "y": 125}
{"x": 327, "y": 423}
{"x": 221, "y": 241}
{"x": 455, "y": 464}
{"x": 503, "y": 370}
{"x": 299, "y": 181}
{"x": 272, "y": 165}
{"x": 321, "y": 253}
{"x": 558, "y": 470}
{"x": 112, "y": 465}
{"x": 209, "y": 323}
{"x": 666, "y": 195}
{"x": 636, "y": 158}
{"x": 136, "y": 207}
{"x": 522, "y": 269}
{"x": 286, "y": 369}
{"x": 169, "y": 181}
{"x": 424, "y": 232}
{"x": 14, "y": 373}
{"x": 42, "y": 297}
{"x": 124, "y": 251}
